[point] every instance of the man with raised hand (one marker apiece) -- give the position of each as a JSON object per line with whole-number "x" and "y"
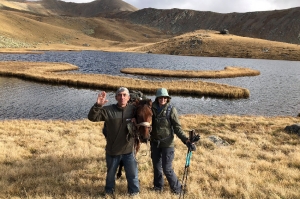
{"x": 119, "y": 144}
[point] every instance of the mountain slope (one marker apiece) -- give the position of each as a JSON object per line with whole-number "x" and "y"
{"x": 213, "y": 44}
{"x": 277, "y": 25}
{"x": 56, "y": 7}
{"x": 148, "y": 30}
{"x": 18, "y": 29}
{"x": 87, "y": 9}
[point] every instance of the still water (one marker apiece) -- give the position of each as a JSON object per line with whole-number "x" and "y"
{"x": 274, "y": 92}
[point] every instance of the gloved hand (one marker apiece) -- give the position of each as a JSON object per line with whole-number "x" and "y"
{"x": 191, "y": 146}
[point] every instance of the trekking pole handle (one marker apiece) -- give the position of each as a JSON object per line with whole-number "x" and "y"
{"x": 193, "y": 137}
{"x": 191, "y": 134}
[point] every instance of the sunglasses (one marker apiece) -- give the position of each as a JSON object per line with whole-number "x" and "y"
{"x": 163, "y": 98}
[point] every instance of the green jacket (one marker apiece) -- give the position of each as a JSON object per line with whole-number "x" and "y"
{"x": 162, "y": 132}
{"x": 116, "y": 120}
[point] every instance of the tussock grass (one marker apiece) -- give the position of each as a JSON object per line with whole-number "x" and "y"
{"x": 65, "y": 159}
{"x": 44, "y": 72}
{"x": 228, "y": 72}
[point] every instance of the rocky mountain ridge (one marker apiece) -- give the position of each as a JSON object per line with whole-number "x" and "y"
{"x": 277, "y": 25}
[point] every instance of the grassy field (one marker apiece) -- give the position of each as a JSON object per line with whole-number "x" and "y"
{"x": 65, "y": 159}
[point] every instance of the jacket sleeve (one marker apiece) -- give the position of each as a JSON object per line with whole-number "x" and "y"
{"x": 97, "y": 113}
{"x": 177, "y": 126}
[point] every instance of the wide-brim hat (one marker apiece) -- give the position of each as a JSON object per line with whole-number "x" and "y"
{"x": 162, "y": 92}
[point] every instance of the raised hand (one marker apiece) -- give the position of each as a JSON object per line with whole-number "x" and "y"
{"x": 101, "y": 100}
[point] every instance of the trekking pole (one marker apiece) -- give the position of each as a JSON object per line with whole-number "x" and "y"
{"x": 191, "y": 147}
{"x": 185, "y": 174}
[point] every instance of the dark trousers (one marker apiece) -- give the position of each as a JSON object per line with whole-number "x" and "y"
{"x": 131, "y": 171}
{"x": 162, "y": 159}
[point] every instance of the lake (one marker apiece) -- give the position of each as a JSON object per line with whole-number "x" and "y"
{"x": 274, "y": 92}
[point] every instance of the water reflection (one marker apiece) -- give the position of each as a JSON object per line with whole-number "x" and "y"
{"x": 274, "y": 92}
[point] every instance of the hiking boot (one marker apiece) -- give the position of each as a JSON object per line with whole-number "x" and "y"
{"x": 108, "y": 195}
{"x": 157, "y": 189}
{"x": 178, "y": 192}
{"x": 134, "y": 194}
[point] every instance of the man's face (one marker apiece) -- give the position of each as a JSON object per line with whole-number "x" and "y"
{"x": 122, "y": 99}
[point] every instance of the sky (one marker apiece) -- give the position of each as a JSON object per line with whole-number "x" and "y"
{"x": 220, "y": 6}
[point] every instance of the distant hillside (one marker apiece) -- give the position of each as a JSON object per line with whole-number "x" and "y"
{"x": 87, "y": 9}
{"x": 113, "y": 25}
{"x": 25, "y": 30}
{"x": 206, "y": 43}
{"x": 277, "y": 25}
{"x": 57, "y": 7}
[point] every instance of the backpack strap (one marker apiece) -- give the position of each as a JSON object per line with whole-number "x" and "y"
{"x": 168, "y": 113}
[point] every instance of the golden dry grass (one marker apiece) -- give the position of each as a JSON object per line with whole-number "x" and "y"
{"x": 65, "y": 159}
{"x": 28, "y": 32}
{"x": 209, "y": 43}
{"x": 228, "y": 72}
{"x": 44, "y": 72}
